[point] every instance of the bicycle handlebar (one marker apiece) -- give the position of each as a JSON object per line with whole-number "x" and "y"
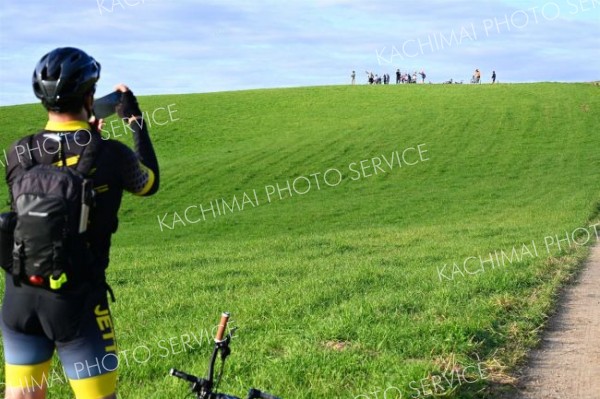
{"x": 183, "y": 376}
{"x": 256, "y": 394}
{"x": 203, "y": 388}
{"x": 224, "y": 396}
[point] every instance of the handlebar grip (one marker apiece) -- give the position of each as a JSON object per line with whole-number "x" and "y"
{"x": 256, "y": 394}
{"x": 183, "y": 376}
{"x": 222, "y": 327}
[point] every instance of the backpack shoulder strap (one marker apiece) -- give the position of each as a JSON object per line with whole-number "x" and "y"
{"x": 25, "y": 160}
{"x": 89, "y": 153}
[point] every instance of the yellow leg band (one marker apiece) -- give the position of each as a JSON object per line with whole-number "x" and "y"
{"x": 95, "y": 387}
{"x": 28, "y": 377}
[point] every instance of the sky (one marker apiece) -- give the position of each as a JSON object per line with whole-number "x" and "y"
{"x": 196, "y": 46}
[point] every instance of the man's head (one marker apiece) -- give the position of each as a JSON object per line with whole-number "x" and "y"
{"x": 65, "y": 80}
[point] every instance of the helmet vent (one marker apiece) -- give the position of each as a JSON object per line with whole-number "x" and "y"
{"x": 45, "y": 73}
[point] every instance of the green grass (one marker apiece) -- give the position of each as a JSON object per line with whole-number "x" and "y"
{"x": 336, "y": 293}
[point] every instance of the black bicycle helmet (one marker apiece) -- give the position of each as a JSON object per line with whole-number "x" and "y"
{"x": 63, "y": 77}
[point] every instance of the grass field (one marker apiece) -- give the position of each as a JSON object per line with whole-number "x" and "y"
{"x": 339, "y": 290}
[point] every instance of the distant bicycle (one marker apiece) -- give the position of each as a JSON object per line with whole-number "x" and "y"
{"x": 205, "y": 388}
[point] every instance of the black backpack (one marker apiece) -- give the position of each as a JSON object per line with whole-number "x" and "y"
{"x": 51, "y": 205}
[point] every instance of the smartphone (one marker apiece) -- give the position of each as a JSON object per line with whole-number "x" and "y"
{"x": 106, "y": 106}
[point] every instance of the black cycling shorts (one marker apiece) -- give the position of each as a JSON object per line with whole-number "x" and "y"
{"x": 79, "y": 326}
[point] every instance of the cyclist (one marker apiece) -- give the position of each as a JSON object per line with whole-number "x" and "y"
{"x": 75, "y": 321}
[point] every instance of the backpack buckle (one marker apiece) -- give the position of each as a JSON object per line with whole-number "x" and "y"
{"x": 55, "y": 284}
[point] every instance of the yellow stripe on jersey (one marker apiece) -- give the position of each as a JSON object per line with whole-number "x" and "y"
{"x": 101, "y": 189}
{"x": 95, "y": 387}
{"x": 27, "y": 377}
{"x": 70, "y": 161}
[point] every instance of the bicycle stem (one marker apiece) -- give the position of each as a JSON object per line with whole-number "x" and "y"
{"x": 221, "y": 345}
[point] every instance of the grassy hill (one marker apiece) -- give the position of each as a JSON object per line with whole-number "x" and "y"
{"x": 367, "y": 273}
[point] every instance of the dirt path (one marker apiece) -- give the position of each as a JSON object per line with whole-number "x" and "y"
{"x": 567, "y": 364}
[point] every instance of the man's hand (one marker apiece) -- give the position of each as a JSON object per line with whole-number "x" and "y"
{"x": 96, "y": 123}
{"x": 122, "y": 88}
{"x": 128, "y": 108}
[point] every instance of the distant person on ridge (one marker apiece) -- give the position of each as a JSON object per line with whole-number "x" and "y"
{"x": 477, "y": 76}
{"x": 398, "y": 76}
{"x": 493, "y": 77}
{"x": 68, "y": 313}
{"x": 353, "y": 76}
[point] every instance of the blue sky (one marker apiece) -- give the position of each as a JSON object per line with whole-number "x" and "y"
{"x": 187, "y": 46}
